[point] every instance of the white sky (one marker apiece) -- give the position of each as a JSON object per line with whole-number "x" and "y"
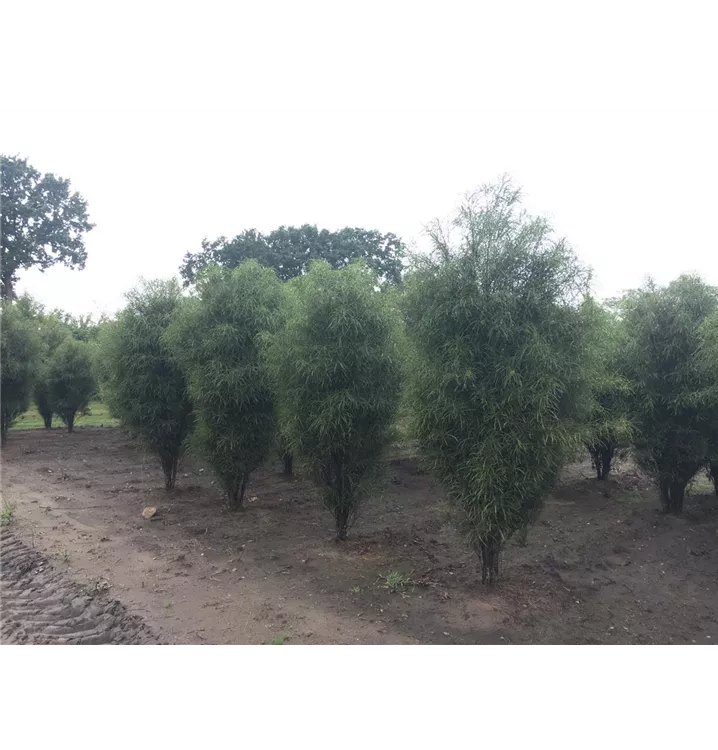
{"x": 185, "y": 120}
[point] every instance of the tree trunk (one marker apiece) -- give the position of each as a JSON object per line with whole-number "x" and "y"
{"x": 664, "y": 487}
{"x": 490, "y": 552}
{"x": 341, "y": 516}
{"x": 8, "y": 292}
{"x": 169, "y": 467}
{"x": 71, "y": 423}
{"x": 3, "y": 426}
{"x": 606, "y": 459}
{"x": 678, "y": 491}
{"x": 47, "y": 419}
{"x": 713, "y": 473}
{"x": 288, "y": 464}
{"x": 236, "y": 496}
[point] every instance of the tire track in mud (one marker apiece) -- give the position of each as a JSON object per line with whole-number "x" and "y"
{"x": 41, "y": 605}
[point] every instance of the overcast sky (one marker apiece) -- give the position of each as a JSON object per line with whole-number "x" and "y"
{"x": 177, "y": 122}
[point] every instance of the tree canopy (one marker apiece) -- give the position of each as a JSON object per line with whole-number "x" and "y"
{"x": 43, "y": 222}
{"x": 142, "y": 383}
{"x": 497, "y": 375}
{"x": 336, "y": 369}
{"x": 70, "y": 379}
{"x": 608, "y": 426}
{"x": 290, "y": 250}
{"x": 660, "y": 354}
{"x": 19, "y": 357}
{"x": 215, "y": 338}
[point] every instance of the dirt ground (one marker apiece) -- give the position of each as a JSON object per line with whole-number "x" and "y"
{"x": 601, "y": 566}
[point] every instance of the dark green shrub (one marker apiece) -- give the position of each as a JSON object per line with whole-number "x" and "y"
{"x": 19, "y": 355}
{"x": 142, "y": 384}
{"x": 668, "y": 385}
{"x": 497, "y": 376}
{"x": 215, "y": 339}
{"x": 336, "y": 373}
{"x": 70, "y": 379}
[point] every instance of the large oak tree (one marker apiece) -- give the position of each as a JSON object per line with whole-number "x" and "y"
{"x": 43, "y": 222}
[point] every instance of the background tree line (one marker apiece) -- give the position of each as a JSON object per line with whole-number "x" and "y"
{"x": 305, "y": 342}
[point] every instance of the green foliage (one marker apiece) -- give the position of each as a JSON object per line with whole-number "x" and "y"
{"x": 142, "y": 383}
{"x": 52, "y": 332}
{"x": 336, "y": 372}
{"x": 669, "y": 386}
{"x": 43, "y": 223}
{"x": 19, "y": 355}
{"x": 70, "y": 379}
{"x": 215, "y": 340}
{"x": 707, "y": 362}
{"x": 7, "y": 512}
{"x": 497, "y": 377}
{"x": 82, "y": 327}
{"x": 608, "y": 426}
{"x": 290, "y": 250}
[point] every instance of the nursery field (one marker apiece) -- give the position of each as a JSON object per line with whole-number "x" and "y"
{"x": 601, "y": 565}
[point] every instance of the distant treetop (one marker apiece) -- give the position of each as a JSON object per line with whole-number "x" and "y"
{"x": 289, "y": 250}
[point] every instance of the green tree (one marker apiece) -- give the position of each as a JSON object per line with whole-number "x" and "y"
{"x": 70, "y": 379}
{"x": 336, "y": 373}
{"x": 82, "y": 327}
{"x": 290, "y": 250}
{"x": 498, "y": 383}
{"x": 52, "y": 332}
{"x": 20, "y": 349}
{"x": 215, "y": 339}
{"x": 660, "y": 353}
{"x": 608, "y": 425}
{"x": 708, "y": 396}
{"x": 43, "y": 222}
{"x": 142, "y": 383}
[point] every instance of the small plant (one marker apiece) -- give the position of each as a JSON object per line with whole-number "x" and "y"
{"x": 64, "y": 556}
{"x": 7, "y": 513}
{"x": 168, "y": 604}
{"x": 356, "y": 589}
{"x": 395, "y": 580}
{"x": 280, "y": 640}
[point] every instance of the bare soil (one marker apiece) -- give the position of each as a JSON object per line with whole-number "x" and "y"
{"x": 601, "y": 566}
{"x": 41, "y": 605}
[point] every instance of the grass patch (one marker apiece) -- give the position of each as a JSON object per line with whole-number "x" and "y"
{"x": 395, "y": 580}
{"x": 97, "y": 416}
{"x": 7, "y": 513}
{"x": 701, "y": 487}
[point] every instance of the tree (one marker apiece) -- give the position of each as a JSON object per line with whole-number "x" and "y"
{"x": 336, "y": 373}
{"x": 52, "y": 332}
{"x": 43, "y": 222}
{"x": 20, "y": 348}
{"x": 660, "y": 353}
{"x": 290, "y": 250}
{"x": 708, "y": 397}
{"x": 71, "y": 383}
{"x": 497, "y": 376}
{"x": 82, "y": 327}
{"x": 215, "y": 339}
{"x": 142, "y": 383}
{"x": 608, "y": 426}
